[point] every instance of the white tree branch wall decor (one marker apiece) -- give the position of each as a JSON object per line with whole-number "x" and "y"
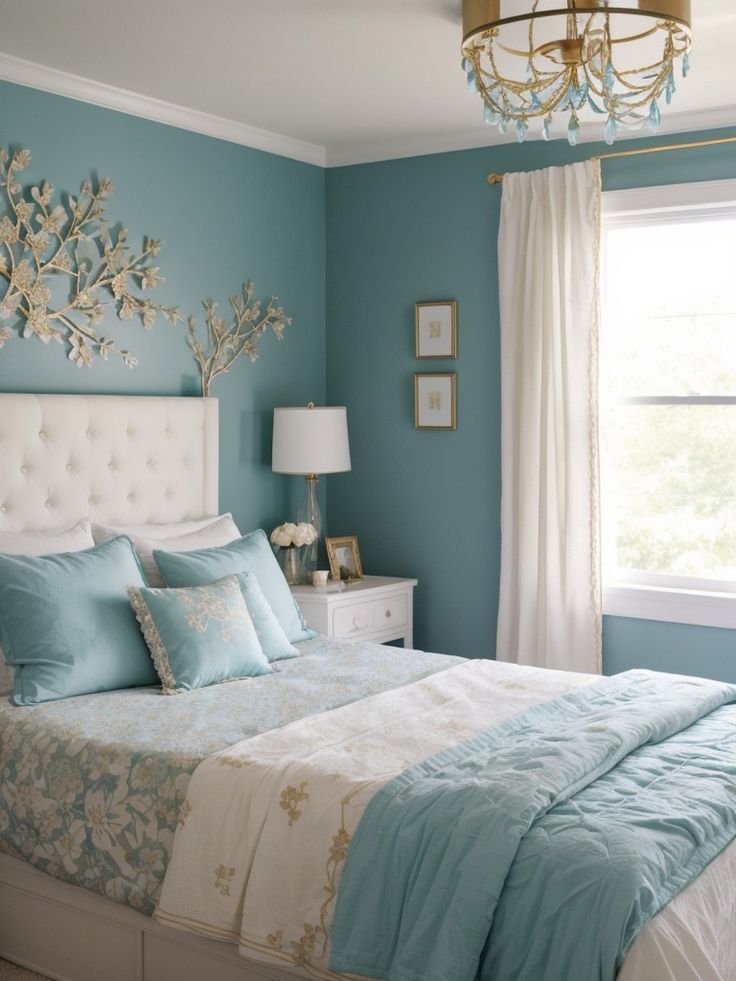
{"x": 226, "y": 342}
{"x": 43, "y": 243}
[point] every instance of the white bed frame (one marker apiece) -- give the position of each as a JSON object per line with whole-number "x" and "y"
{"x": 118, "y": 460}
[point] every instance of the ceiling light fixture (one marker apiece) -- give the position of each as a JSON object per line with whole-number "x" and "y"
{"x": 615, "y": 58}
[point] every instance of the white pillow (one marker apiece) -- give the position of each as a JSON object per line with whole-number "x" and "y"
{"x": 74, "y": 539}
{"x": 157, "y": 531}
{"x": 217, "y": 531}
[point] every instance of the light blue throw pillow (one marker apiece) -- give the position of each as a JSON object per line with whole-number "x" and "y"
{"x": 199, "y": 635}
{"x": 276, "y": 645}
{"x": 66, "y": 624}
{"x": 251, "y": 553}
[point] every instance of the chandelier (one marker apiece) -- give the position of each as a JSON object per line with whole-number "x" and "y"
{"x": 615, "y": 58}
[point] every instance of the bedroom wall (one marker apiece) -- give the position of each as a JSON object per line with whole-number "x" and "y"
{"x": 426, "y": 504}
{"x": 225, "y": 213}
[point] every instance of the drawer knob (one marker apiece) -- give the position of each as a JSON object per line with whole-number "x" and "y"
{"x": 388, "y": 613}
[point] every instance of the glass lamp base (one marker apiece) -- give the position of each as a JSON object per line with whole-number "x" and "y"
{"x": 310, "y": 512}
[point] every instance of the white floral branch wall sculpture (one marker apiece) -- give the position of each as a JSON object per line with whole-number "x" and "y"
{"x": 41, "y": 241}
{"x": 226, "y": 342}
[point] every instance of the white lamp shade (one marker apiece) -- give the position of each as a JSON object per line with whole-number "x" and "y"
{"x": 310, "y": 440}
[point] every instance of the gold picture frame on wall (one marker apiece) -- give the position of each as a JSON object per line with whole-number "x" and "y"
{"x": 435, "y": 327}
{"x": 435, "y": 400}
{"x": 344, "y": 557}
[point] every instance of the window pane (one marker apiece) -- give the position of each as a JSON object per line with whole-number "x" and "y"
{"x": 670, "y": 489}
{"x": 670, "y": 309}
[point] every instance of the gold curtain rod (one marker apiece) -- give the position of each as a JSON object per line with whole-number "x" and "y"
{"x": 498, "y": 178}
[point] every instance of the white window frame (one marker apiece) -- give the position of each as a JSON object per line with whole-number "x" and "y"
{"x": 649, "y": 596}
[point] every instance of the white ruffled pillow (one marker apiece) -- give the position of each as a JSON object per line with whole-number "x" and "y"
{"x": 52, "y": 542}
{"x": 182, "y": 537}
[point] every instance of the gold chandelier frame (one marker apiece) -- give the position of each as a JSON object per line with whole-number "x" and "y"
{"x": 584, "y": 72}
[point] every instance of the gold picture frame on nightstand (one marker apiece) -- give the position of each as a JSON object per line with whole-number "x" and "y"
{"x": 344, "y": 557}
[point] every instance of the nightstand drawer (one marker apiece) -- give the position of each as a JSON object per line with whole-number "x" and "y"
{"x": 393, "y": 611}
{"x": 355, "y": 619}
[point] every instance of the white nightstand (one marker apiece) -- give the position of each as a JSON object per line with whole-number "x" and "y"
{"x": 377, "y": 608}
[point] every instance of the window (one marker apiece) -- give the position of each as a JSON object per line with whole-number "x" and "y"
{"x": 668, "y": 403}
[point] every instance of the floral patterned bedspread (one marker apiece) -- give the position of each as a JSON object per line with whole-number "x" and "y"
{"x": 92, "y": 788}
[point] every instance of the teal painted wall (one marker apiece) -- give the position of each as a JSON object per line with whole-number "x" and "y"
{"x": 225, "y": 213}
{"x": 426, "y": 504}
{"x": 423, "y": 504}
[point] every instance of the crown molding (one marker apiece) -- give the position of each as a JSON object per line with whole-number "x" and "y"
{"x": 31, "y": 74}
{"x": 36, "y": 76}
{"x": 591, "y": 131}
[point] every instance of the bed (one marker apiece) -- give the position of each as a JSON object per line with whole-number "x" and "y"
{"x": 83, "y": 913}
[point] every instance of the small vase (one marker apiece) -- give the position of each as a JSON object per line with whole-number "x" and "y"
{"x": 292, "y": 565}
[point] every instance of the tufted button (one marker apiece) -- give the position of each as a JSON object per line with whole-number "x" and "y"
{"x": 24, "y": 470}
{"x": 42, "y": 434}
{"x": 130, "y": 498}
{"x": 69, "y": 468}
{"x": 111, "y": 466}
{"x": 48, "y": 505}
{"x": 90, "y": 434}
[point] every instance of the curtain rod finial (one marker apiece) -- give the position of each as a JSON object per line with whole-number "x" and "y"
{"x": 494, "y": 179}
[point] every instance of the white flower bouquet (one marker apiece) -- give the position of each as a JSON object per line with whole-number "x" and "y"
{"x": 290, "y": 535}
{"x": 288, "y": 539}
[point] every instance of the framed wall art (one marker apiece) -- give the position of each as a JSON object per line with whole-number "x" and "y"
{"x": 435, "y": 400}
{"x": 436, "y": 329}
{"x": 344, "y": 558}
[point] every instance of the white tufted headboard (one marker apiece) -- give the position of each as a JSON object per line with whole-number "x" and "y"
{"x": 113, "y": 458}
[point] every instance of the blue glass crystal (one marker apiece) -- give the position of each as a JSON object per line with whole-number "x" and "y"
{"x": 655, "y": 116}
{"x": 611, "y": 130}
{"x": 521, "y": 128}
{"x": 504, "y": 124}
{"x": 670, "y": 88}
{"x": 491, "y": 116}
{"x": 685, "y": 64}
{"x": 594, "y": 106}
{"x": 584, "y": 91}
{"x": 609, "y": 77}
{"x": 472, "y": 84}
{"x": 467, "y": 65}
{"x": 573, "y": 94}
{"x": 546, "y": 127}
{"x": 573, "y": 131}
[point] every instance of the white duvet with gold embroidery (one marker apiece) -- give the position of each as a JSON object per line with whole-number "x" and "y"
{"x": 258, "y": 858}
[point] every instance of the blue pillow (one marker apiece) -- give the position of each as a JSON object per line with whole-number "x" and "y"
{"x": 251, "y": 553}
{"x": 199, "y": 635}
{"x": 275, "y": 643}
{"x": 66, "y": 624}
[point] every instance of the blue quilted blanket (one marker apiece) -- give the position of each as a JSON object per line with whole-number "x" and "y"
{"x": 538, "y": 850}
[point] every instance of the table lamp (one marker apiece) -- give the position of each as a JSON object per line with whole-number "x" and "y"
{"x": 310, "y": 441}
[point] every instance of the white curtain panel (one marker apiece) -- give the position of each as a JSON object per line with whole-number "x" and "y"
{"x": 549, "y": 247}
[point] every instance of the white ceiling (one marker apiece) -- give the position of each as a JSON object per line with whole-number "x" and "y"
{"x": 343, "y": 81}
